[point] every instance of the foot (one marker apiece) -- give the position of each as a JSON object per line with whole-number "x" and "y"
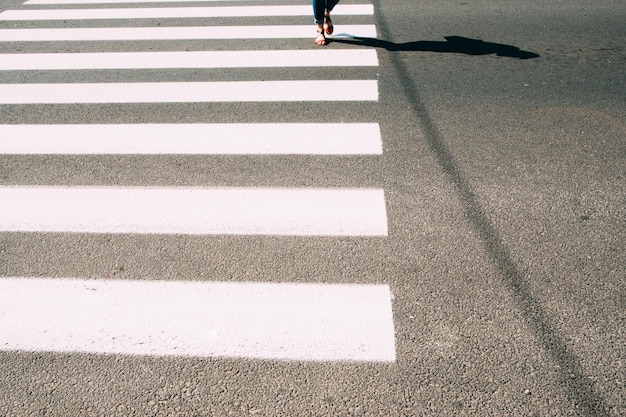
{"x": 321, "y": 38}
{"x": 328, "y": 25}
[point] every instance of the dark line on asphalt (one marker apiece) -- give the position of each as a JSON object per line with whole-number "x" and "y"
{"x": 579, "y": 388}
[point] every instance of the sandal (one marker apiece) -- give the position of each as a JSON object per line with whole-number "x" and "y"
{"x": 328, "y": 25}
{"x": 321, "y": 38}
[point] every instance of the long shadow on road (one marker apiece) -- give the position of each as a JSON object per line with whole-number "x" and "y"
{"x": 453, "y": 44}
{"x": 579, "y": 388}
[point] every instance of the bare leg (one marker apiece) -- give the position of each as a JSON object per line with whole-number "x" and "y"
{"x": 321, "y": 38}
{"x": 321, "y": 13}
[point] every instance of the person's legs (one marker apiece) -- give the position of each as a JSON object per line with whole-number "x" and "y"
{"x": 322, "y": 8}
{"x": 328, "y": 24}
{"x": 321, "y": 14}
{"x": 330, "y": 4}
{"x": 319, "y": 8}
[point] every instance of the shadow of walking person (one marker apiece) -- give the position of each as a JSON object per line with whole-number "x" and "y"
{"x": 453, "y": 44}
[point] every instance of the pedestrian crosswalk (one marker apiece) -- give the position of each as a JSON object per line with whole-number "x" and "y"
{"x": 240, "y": 211}
{"x": 188, "y": 59}
{"x": 175, "y": 33}
{"x": 199, "y": 139}
{"x": 67, "y": 2}
{"x": 252, "y": 320}
{"x": 190, "y": 92}
{"x": 179, "y": 12}
{"x": 300, "y": 321}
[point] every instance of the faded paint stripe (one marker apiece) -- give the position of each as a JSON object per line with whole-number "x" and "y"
{"x": 67, "y": 2}
{"x": 308, "y": 322}
{"x": 216, "y": 139}
{"x": 190, "y": 92}
{"x": 194, "y": 211}
{"x": 192, "y": 59}
{"x": 178, "y": 12}
{"x": 172, "y": 33}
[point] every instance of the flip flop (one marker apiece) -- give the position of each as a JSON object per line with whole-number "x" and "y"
{"x": 321, "y": 38}
{"x": 328, "y": 25}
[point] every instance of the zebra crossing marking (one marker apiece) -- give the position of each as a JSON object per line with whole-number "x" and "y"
{"x": 68, "y": 2}
{"x": 201, "y": 138}
{"x": 188, "y": 59}
{"x": 179, "y": 12}
{"x": 308, "y": 322}
{"x": 179, "y": 33}
{"x": 194, "y": 211}
{"x": 190, "y": 92}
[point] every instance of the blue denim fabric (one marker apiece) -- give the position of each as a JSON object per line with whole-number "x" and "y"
{"x": 320, "y": 7}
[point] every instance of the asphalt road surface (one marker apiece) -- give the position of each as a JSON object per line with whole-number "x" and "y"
{"x": 204, "y": 214}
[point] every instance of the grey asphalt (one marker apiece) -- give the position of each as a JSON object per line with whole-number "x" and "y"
{"x": 504, "y": 170}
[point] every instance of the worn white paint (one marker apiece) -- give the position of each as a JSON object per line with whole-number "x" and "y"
{"x": 178, "y": 12}
{"x": 190, "y": 92}
{"x": 68, "y": 2}
{"x": 201, "y": 211}
{"x": 184, "y": 32}
{"x": 215, "y": 139}
{"x": 308, "y": 322}
{"x": 191, "y": 59}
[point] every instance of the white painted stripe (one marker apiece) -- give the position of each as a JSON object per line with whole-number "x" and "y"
{"x": 307, "y": 322}
{"x": 172, "y": 33}
{"x": 66, "y": 2}
{"x": 193, "y": 59}
{"x": 190, "y": 92}
{"x": 73, "y": 2}
{"x": 179, "y": 12}
{"x": 201, "y": 211}
{"x": 215, "y": 139}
